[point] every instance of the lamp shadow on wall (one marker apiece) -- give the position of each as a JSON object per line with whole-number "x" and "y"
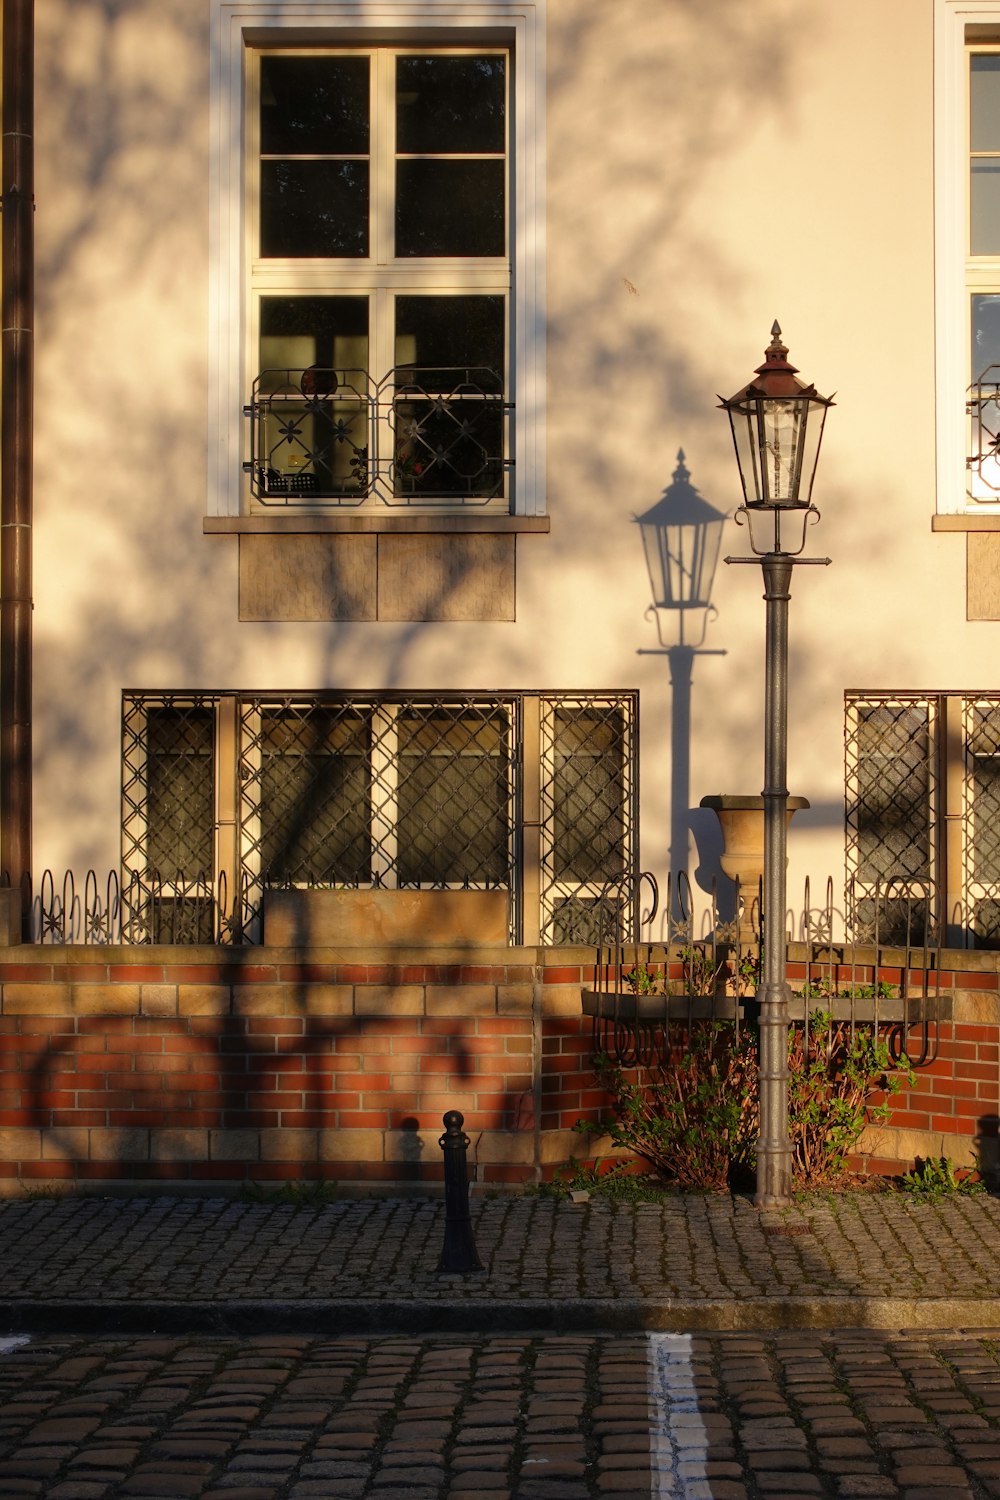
{"x": 682, "y": 537}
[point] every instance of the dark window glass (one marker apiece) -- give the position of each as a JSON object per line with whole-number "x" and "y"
{"x": 315, "y": 794}
{"x": 450, "y": 207}
{"x": 588, "y": 795}
{"x": 452, "y": 798}
{"x": 450, "y": 104}
{"x": 893, "y": 777}
{"x": 313, "y": 208}
{"x": 451, "y": 333}
{"x": 298, "y": 332}
{"x": 180, "y": 770}
{"x": 449, "y": 346}
{"x": 314, "y": 106}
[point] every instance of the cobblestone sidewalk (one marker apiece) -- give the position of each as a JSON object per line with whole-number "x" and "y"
{"x": 713, "y": 1262}
{"x": 728, "y": 1416}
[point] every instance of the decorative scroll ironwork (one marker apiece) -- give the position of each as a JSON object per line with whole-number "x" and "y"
{"x": 648, "y": 995}
{"x": 983, "y": 461}
{"x": 144, "y": 909}
{"x": 420, "y": 435}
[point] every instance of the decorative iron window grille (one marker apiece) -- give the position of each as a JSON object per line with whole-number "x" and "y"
{"x": 168, "y": 819}
{"x": 418, "y": 436}
{"x": 389, "y": 791}
{"x": 981, "y": 819}
{"x": 923, "y": 817}
{"x": 589, "y": 817}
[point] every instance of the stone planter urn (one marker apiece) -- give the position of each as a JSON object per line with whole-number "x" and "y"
{"x": 741, "y": 819}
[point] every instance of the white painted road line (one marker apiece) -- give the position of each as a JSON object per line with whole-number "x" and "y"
{"x": 678, "y": 1439}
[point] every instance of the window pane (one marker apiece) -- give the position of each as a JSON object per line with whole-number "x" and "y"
{"x": 985, "y": 334}
{"x": 449, "y": 104}
{"x": 984, "y": 101}
{"x": 312, "y": 428}
{"x": 297, "y": 332}
{"x": 985, "y": 203}
{"x": 314, "y": 796}
{"x": 893, "y": 780}
{"x": 314, "y": 106}
{"x": 588, "y": 795}
{"x": 456, "y": 446}
{"x": 452, "y": 797}
{"x": 180, "y": 771}
{"x": 451, "y": 333}
{"x": 450, "y": 208}
{"x": 313, "y": 208}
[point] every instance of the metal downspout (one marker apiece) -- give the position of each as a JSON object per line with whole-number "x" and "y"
{"x": 16, "y": 373}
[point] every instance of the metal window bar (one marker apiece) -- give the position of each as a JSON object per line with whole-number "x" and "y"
{"x": 589, "y": 816}
{"x": 419, "y": 791}
{"x": 981, "y": 820}
{"x": 892, "y": 792}
{"x": 168, "y": 890}
{"x": 418, "y": 436}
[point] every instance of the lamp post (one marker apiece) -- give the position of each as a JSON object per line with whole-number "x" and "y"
{"x": 681, "y": 536}
{"x": 777, "y": 425}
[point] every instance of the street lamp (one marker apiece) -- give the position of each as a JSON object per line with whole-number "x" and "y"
{"x": 777, "y": 425}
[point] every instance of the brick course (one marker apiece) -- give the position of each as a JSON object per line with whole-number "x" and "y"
{"x": 192, "y": 1066}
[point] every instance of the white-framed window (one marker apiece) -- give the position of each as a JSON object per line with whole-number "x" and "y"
{"x": 377, "y": 255}
{"x": 967, "y": 254}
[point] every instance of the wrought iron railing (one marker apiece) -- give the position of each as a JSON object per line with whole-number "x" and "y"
{"x": 983, "y": 462}
{"x": 696, "y": 967}
{"x": 420, "y": 435}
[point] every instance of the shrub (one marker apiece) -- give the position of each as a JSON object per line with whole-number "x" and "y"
{"x": 695, "y": 1117}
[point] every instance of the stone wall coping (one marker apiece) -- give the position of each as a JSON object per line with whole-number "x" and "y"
{"x": 467, "y": 955}
{"x": 259, "y": 956}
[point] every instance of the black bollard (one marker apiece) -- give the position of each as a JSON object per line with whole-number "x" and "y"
{"x": 459, "y": 1250}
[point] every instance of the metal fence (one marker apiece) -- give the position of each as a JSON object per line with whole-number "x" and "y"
{"x": 648, "y": 993}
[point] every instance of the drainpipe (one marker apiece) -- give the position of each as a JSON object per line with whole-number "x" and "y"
{"x": 16, "y": 379}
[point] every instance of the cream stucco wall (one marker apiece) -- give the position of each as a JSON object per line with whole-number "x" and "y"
{"x": 710, "y": 168}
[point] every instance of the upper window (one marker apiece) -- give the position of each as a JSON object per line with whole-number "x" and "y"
{"x": 389, "y": 260}
{"x": 967, "y": 191}
{"x": 380, "y": 278}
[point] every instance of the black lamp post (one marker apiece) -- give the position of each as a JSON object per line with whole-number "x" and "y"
{"x": 681, "y": 536}
{"x": 777, "y": 424}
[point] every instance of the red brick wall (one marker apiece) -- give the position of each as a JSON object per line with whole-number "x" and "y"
{"x": 196, "y": 1067}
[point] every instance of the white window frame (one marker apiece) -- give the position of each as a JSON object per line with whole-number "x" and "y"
{"x": 239, "y": 24}
{"x": 955, "y": 272}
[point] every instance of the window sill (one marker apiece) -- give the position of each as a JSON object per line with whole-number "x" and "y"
{"x": 990, "y": 521}
{"x": 299, "y": 525}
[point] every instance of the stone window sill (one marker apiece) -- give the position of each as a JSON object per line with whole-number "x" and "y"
{"x": 367, "y": 522}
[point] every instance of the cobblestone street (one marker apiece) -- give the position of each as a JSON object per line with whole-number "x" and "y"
{"x": 849, "y": 1414}
{"x": 848, "y": 1347}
